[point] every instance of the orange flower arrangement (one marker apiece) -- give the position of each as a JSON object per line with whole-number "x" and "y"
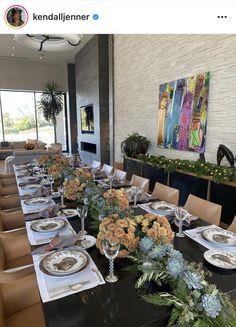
{"x": 43, "y": 160}
{"x": 118, "y": 198}
{"x": 73, "y": 189}
{"x": 155, "y": 226}
{"x": 55, "y": 170}
{"x": 84, "y": 173}
{"x": 117, "y": 230}
{"x": 127, "y": 231}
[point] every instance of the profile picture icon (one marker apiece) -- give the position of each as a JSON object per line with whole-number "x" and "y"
{"x": 16, "y": 16}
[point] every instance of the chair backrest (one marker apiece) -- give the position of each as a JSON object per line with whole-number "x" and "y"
{"x": 2, "y": 257}
{"x": 140, "y": 182}
{"x": 204, "y": 209}
{"x": 96, "y": 164}
{"x": 232, "y": 227}
{"x": 120, "y": 174}
{"x": 107, "y": 169}
{"x": 2, "y": 314}
{"x": 165, "y": 193}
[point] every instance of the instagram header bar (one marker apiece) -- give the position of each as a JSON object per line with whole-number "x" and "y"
{"x": 114, "y": 17}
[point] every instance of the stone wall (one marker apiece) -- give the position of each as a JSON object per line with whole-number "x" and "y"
{"x": 143, "y": 62}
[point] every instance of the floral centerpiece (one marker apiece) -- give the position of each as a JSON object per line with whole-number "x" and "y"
{"x": 128, "y": 231}
{"x": 194, "y": 301}
{"x": 84, "y": 173}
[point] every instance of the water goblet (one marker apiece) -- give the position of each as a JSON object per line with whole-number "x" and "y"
{"x": 111, "y": 251}
{"x": 136, "y": 192}
{"x": 82, "y": 213}
{"x": 181, "y": 215}
{"x": 111, "y": 178}
{"x": 51, "y": 181}
{"x": 61, "y": 191}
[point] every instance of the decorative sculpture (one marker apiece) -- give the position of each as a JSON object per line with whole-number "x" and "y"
{"x": 224, "y": 151}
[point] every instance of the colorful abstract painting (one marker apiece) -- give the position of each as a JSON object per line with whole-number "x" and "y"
{"x": 182, "y": 114}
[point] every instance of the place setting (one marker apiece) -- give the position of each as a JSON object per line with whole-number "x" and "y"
{"x": 42, "y": 231}
{"x": 214, "y": 238}
{"x": 64, "y": 272}
{"x": 36, "y": 204}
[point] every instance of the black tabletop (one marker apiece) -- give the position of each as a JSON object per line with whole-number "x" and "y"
{"x": 119, "y": 304}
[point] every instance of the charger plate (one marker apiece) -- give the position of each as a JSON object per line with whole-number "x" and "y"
{"x": 38, "y": 201}
{"x": 63, "y": 263}
{"x": 221, "y": 258}
{"x": 48, "y": 225}
{"x": 221, "y": 237}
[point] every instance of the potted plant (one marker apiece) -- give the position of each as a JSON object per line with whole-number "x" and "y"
{"x": 135, "y": 144}
{"x": 52, "y": 104}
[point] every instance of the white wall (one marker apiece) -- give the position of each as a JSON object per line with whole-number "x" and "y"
{"x": 28, "y": 75}
{"x": 143, "y": 62}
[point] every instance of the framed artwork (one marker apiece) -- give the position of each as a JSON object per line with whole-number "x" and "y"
{"x": 182, "y": 115}
{"x": 87, "y": 119}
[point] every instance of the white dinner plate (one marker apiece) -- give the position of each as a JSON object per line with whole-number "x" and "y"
{"x": 87, "y": 242}
{"x": 220, "y": 236}
{"x": 37, "y": 201}
{"x": 30, "y": 186}
{"x": 65, "y": 262}
{"x": 221, "y": 258}
{"x": 48, "y": 225}
{"x": 68, "y": 213}
{"x": 162, "y": 206}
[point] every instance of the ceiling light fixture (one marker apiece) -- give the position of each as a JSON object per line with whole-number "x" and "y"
{"x": 49, "y": 42}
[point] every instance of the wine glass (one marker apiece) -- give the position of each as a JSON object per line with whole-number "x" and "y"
{"x": 61, "y": 191}
{"x": 135, "y": 192}
{"x": 111, "y": 178}
{"x": 111, "y": 251}
{"x": 181, "y": 215}
{"x": 82, "y": 213}
{"x": 51, "y": 181}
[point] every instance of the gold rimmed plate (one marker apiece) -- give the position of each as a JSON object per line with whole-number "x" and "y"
{"x": 48, "y": 225}
{"x": 30, "y": 186}
{"x": 221, "y": 237}
{"x": 38, "y": 201}
{"x": 221, "y": 258}
{"x": 64, "y": 263}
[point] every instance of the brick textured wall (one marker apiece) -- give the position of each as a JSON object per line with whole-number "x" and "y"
{"x": 143, "y": 62}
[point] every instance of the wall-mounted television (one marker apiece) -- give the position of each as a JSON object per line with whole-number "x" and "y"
{"x": 87, "y": 119}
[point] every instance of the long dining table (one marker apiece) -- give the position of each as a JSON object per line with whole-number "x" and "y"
{"x": 120, "y": 303}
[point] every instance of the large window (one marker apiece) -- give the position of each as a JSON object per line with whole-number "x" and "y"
{"x": 20, "y": 119}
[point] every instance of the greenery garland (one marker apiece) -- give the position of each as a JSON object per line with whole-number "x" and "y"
{"x": 218, "y": 174}
{"x": 194, "y": 301}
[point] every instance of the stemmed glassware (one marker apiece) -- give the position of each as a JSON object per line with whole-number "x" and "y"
{"x": 181, "y": 215}
{"x": 82, "y": 213}
{"x": 61, "y": 191}
{"x": 51, "y": 181}
{"x": 111, "y": 178}
{"x": 135, "y": 192}
{"x": 111, "y": 251}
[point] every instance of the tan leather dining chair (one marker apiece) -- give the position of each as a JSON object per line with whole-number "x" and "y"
{"x": 8, "y": 190}
{"x": 107, "y": 169}
{"x": 140, "y": 182}
{"x": 165, "y": 193}
{"x": 232, "y": 226}
{"x": 7, "y": 179}
{"x": 11, "y": 220}
{"x": 120, "y": 174}
{"x": 14, "y": 251}
{"x": 203, "y": 209}
{"x": 20, "y": 303}
{"x": 10, "y": 202}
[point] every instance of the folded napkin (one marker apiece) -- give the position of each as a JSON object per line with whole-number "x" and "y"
{"x": 52, "y": 287}
{"x": 59, "y": 243}
{"x": 50, "y": 211}
{"x": 23, "y": 183}
{"x": 196, "y": 235}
